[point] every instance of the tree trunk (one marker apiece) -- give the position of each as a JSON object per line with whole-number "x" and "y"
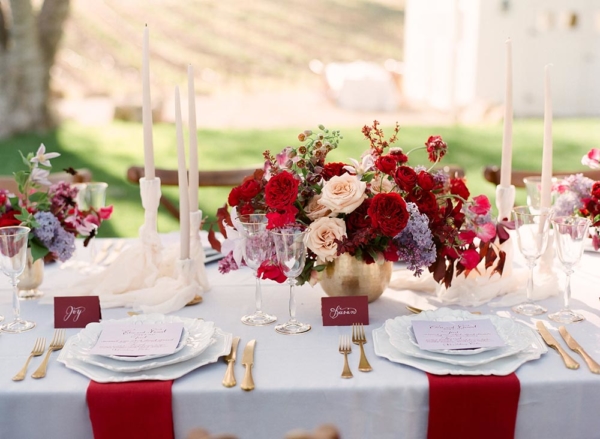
{"x": 26, "y": 57}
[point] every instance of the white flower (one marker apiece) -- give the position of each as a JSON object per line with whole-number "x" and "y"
{"x": 40, "y": 176}
{"x": 43, "y": 158}
{"x": 322, "y": 236}
{"x": 343, "y": 194}
{"x": 234, "y": 241}
{"x": 361, "y": 168}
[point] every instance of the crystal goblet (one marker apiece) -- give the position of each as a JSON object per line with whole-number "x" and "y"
{"x": 532, "y": 230}
{"x": 13, "y": 257}
{"x": 290, "y": 247}
{"x": 257, "y": 248}
{"x": 570, "y": 234}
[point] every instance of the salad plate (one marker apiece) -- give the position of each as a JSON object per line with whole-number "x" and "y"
{"x": 199, "y": 335}
{"x": 516, "y": 337}
{"x": 502, "y": 366}
{"x": 220, "y": 347}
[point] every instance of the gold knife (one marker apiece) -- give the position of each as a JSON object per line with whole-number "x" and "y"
{"x": 594, "y": 367}
{"x": 550, "y": 341}
{"x": 229, "y": 378}
{"x": 248, "y": 361}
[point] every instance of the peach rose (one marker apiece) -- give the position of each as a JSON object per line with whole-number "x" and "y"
{"x": 314, "y": 210}
{"x": 381, "y": 184}
{"x": 343, "y": 194}
{"x": 322, "y": 236}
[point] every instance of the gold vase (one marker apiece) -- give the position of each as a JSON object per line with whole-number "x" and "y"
{"x": 347, "y": 276}
{"x": 31, "y": 279}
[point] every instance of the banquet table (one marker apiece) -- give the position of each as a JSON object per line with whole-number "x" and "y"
{"x": 298, "y": 383}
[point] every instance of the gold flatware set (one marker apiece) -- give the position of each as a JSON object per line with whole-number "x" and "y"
{"x": 358, "y": 338}
{"x": 247, "y": 360}
{"x": 570, "y": 363}
{"x": 56, "y": 344}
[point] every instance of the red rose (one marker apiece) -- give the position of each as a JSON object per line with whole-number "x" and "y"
{"x": 388, "y": 213}
{"x": 246, "y": 209}
{"x": 458, "y": 187}
{"x": 281, "y": 191}
{"x": 425, "y": 180}
{"x": 268, "y": 270}
{"x": 426, "y": 202}
{"x": 405, "y": 178}
{"x": 436, "y": 148}
{"x": 398, "y": 155}
{"x": 333, "y": 169}
{"x": 359, "y": 218}
{"x": 596, "y": 189}
{"x": 234, "y": 196}
{"x": 391, "y": 252}
{"x": 282, "y": 217}
{"x": 249, "y": 189}
{"x": 386, "y": 164}
{"x": 8, "y": 219}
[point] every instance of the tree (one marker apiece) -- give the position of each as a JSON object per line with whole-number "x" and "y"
{"x": 28, "y": 44}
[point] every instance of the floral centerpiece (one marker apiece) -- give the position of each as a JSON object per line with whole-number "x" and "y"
{"x": 580, "y": 195}
{"x": 376, "y": 209}
{"x": 49, "y": 210}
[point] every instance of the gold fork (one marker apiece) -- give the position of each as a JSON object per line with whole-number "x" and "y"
{"x": 38, "y": 349}
{"x": 358, "y": 337}
{"x": 345, "y": 348}
{"x": 57, "y": 343}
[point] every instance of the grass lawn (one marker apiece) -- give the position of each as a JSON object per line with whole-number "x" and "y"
{"x": 109, "y": 150}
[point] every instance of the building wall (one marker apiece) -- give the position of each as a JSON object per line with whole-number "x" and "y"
{"x": 455, "y": 53}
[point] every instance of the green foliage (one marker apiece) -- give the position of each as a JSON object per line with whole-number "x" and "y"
{"x": 109, "y": 150}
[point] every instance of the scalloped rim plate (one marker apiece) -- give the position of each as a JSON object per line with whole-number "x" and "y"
{"x": 220, "y": 347}
{"x": 503, "y": 366}
{"x": 516, "y": 337}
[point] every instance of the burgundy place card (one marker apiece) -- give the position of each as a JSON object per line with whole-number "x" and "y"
{"x": 345, "y": 310}
{"x": 76, "y": 311}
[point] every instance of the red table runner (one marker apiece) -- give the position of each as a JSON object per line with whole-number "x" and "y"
{"x": 128, "y": 410}
{"x": 473, "y": 407}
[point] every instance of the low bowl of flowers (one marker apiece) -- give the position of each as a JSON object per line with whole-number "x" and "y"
{"x": 373, "y": 211}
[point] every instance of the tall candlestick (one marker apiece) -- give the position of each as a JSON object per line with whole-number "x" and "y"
{"x": 545, "y": 194}
{"x": 506, "y": 166}
{"x": 193, "y": 141}
{"x": 147, "y": 110}
{"x": 184, "y": 207}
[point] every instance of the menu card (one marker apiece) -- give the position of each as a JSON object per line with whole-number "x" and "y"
{"x": 463, "y": 334}
{"x": 132, "y": 340}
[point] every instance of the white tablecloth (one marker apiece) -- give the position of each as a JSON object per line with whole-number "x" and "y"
{"x": 297, "y": 378}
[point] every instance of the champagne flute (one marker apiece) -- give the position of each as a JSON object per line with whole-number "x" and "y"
{"x": 13, "y": 257}
{"x": 290, "y": 247}
{"x": 94, "y": 198}
{"x": 532, "y": 236}
{"x": 256, "y": 249}
{"x": 570, "y": 234}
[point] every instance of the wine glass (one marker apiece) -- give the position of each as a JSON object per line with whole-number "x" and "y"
{"x": 256, "y": 249}
{"x": 290, "y": 247}
{"x": 92, "y": 196}
{"x": 532, "y": 236}
{"x": 13, "y": 257}
{"x": 570, "y": 234}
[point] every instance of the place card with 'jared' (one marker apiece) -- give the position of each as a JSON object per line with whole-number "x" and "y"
{"x": 345, "y": 310}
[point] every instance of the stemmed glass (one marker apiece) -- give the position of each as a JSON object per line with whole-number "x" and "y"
{"x": 256, "y": 249}
{"x": 570, "y": 234}
{"x": 94, "y": 198}
{"x": 532, "y": 236}
{"x": 290, "y": 247}
{"x": 13, "y": 257}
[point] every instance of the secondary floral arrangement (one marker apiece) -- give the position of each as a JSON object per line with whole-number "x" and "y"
{"x": 376, "y": 209}
{"x": 580, "y": 195}
{"x": 50, "y": 211}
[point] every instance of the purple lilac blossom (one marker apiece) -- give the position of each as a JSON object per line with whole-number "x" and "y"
{"x": 440, "y": 177}
{"x": 52, "y": 236}
{"x": 227, "y": 264}
{"x": 573, "y": 189}
{"x": 415, "y": 242}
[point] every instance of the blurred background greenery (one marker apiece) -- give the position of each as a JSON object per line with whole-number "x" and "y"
{"x": 236, "y": 47}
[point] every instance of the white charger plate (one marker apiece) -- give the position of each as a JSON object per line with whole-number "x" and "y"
{"x": 220, "y": 347}
{"x": 503, "y": 366}
{"x": 515, "y": 336}
{"x": 199, "y": 337}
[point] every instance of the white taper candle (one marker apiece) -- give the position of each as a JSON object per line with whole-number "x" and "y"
{"x": 147, "y": 110}
{"x": 184, "y": 206}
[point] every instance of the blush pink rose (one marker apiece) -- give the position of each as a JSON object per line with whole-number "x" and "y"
{"x": 323, "y": 235}
{"x": 343, "y": 193}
